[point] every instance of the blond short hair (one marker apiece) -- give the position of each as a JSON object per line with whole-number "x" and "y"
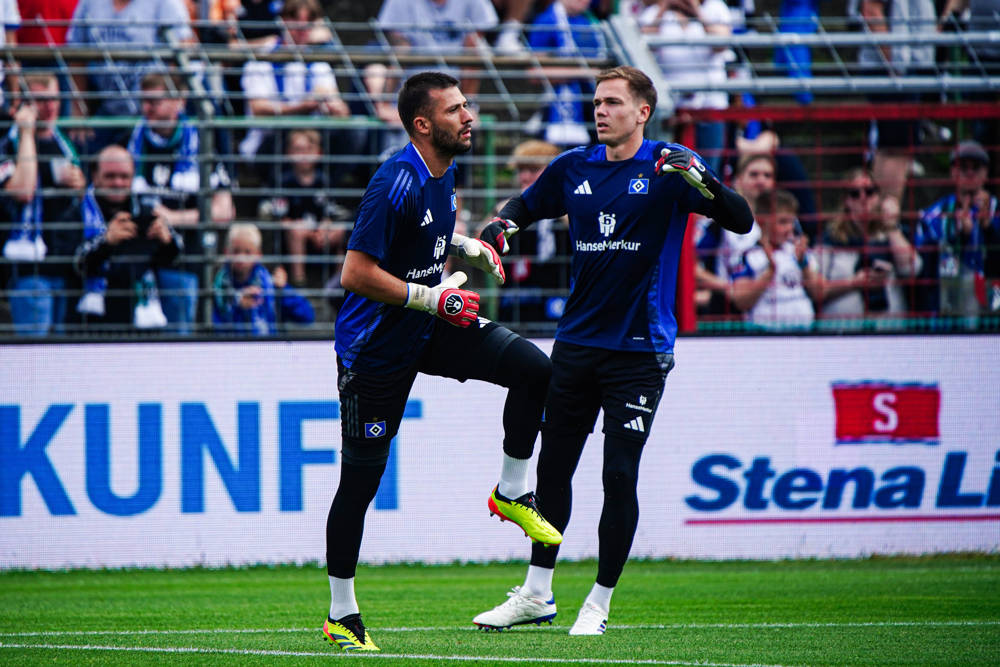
{"x": 532, "y": 152}
{"x": 244, "y": 230}
{"x": 40, "y": 79}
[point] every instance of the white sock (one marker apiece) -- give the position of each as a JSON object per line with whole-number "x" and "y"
{"x": 514, "y": 477}
{"x": 342, "y": 601}
{"x": 601, "y": 596}
{"x": 538, "y": 583}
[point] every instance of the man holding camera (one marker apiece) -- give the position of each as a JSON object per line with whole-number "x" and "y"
{"x": 126, "y": 242}
{"x": 166, "y": 146}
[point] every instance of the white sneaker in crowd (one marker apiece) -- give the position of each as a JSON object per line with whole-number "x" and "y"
{"x": 509, "y": 41}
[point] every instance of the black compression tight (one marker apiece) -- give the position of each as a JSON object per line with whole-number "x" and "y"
{"x": 525, "y": 371}
{"x": 557, "y": 462}
{"x": 345, "y": 523}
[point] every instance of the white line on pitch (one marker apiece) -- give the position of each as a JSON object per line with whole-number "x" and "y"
{"x": 449, "y": 628}
{"x": 407, "y": 656}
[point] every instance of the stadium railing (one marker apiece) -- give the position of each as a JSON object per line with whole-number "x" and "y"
{"x": 513, "y": 91}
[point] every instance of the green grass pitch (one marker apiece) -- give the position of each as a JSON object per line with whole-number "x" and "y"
{"x": 938, "y": 610}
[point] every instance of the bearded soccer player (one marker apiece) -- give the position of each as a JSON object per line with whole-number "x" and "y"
{"x": 628, "y": 200}
{"x": 400, "y": 318}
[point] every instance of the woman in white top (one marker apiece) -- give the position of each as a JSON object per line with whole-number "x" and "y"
{"x": 863, "y": 253}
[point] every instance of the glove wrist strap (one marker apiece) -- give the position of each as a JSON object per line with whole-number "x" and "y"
{"x": 420, "y": 297}
{"x": 456, "y": 247}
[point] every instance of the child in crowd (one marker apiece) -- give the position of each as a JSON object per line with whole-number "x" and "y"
{"x": 247, "y": 299}
{"x": 777, "y": 280}
{"x": 307, "y": 213}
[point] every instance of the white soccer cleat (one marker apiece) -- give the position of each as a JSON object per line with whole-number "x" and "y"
{"x": 592, "y": 620}
{"x": 519, "y": 609}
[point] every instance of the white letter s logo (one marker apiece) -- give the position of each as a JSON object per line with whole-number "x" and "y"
{"x": 883, "y": 404}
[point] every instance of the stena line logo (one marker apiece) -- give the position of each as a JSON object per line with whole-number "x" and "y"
{"x": 200, "y": 452}
{"x": 731, "y": 489}
{"x": 757, "y": 486}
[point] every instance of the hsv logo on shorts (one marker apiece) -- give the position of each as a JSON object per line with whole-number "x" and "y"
{"x": 886, "y": 412}
{"x": 374, "y": 429}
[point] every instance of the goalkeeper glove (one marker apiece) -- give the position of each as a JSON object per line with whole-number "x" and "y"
{"x": 497, "y": 232}
{"x": 479, "y": 254}
{"x": 453, "y": 305}
{"x": 690, "y": 167}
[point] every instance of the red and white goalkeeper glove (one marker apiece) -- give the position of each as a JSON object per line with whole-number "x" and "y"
{"x": 687, "y": 164}
{"x": 453, "y": 305}
{"x": 497, "y": 232}
{"x": 479, "y": 254}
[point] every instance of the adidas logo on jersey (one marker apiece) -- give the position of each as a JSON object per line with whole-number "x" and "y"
{"x": 428, "y": 218}
{"x": 583, "y": 189}
{"x": 636, "y": 425}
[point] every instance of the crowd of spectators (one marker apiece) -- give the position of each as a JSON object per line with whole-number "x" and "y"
{"x": 864, "y": 264}
{"x": 111, "y": 225}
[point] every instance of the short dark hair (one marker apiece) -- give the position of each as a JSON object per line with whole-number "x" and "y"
{"x": 170, "y": 82}
{"x": 639, "y": 84}
{"x": 773, "y": 201}
{"x": 414, "y": 98}
{"x": 748, "y": 159}
{"x": 291, "y": 8}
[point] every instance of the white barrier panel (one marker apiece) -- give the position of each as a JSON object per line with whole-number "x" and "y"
{"x": 215, "y": 453}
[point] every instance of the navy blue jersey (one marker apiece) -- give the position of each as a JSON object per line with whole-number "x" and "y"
{"x": 405, "y": 221}
{"x": 627, "y": 229}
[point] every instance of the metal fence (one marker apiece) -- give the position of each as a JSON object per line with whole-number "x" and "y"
{"x": 512, "y": 94}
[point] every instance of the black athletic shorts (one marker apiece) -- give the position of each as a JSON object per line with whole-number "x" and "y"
{"x": 371, "y": 406}
{"x": 627, "y": 385}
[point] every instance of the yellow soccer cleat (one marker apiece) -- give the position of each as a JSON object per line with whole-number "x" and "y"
{"x": 524, "y": 512}
{"x": 349, "y": 634}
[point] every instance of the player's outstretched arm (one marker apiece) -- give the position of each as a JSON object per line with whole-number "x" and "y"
{"x": 479, "y": 254}
{"x": 732, "y": 211}
{"x": 729, "y": 208}
{"x": 510, "y": 220}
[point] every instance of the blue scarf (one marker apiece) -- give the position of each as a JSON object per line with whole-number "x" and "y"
{"x": 184, "y": 144}
{"x": 92, "y": 301}
{"x": 258, "y": 321}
